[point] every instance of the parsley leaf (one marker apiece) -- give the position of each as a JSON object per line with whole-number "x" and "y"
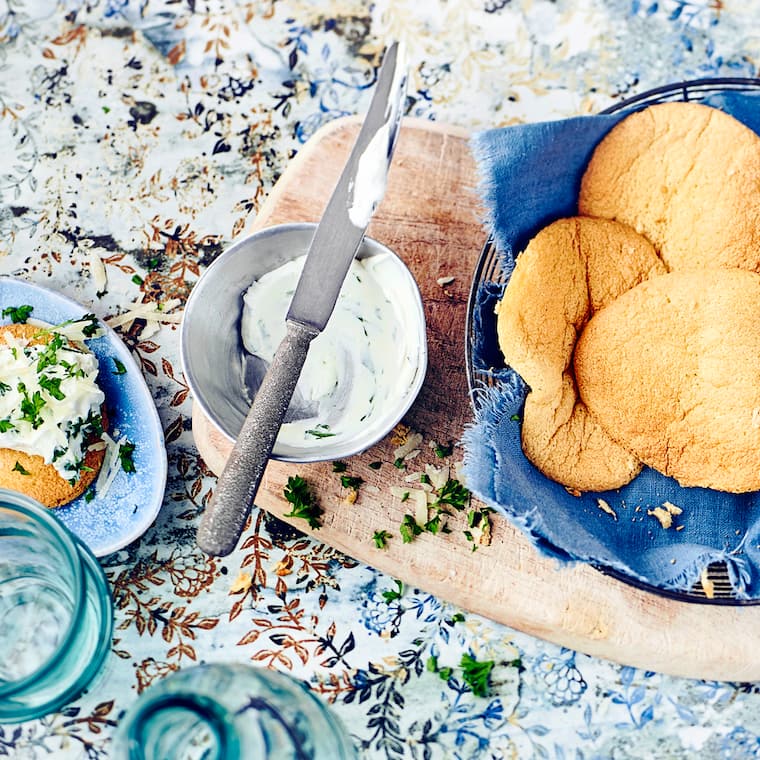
{"x": 409, "y": 529}
{"x": 18, "y": 314}
{"x": 454, "y": 493}
{"x": 349, "y": 481}
{"x": 320, "y": 431}
{"x": 31, "y": 406}
{"x": 6, "y": 425}
{"x": 4, "y": 388}
{"x": 18, "y": 467}
{"x": 53, "y": 386}
{"x": 120, "y": 368}
{"x": 298, "y": 494}
{"x": 339, "y": 466}
{"x": 126, "y": 452}
{"x": 394, "y": 594}
{"x": 442, "y": 451}
{"x": 476, "y": 674}
{"x": 380, "y": 537}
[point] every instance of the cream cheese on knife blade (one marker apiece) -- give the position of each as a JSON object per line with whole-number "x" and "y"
{"x": 358, "y": 366}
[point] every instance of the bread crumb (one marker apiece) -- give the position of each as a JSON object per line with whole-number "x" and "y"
{"x": 444, "y": 281}
{"x": 672, "y": 508}
{"x": 241, "y": 583}
{"x": 664, "y": 517}
{"x": 605, "y": 507}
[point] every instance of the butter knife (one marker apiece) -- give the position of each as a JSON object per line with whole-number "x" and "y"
{"x": 336, "y": 240}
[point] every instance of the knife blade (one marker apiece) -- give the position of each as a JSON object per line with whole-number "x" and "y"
{"x": 336, "y": 240}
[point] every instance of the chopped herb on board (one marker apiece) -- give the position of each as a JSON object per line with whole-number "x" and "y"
{"x": 339, "y": 466}
{"x": 18, "y": 314}
{"x": 442, "y": 451}
{"x": 298, "y": 494}
{"x": 409, "y": 529}
{"x": 18, "y": 467}
{"x": 375, "y": 465}
{"x": 349, "y": 481}
{"x": 380, "y": 537}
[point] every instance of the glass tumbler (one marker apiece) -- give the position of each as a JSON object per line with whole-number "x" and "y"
{"x": 230, "y": 712}
{"x": 56, "y": 614}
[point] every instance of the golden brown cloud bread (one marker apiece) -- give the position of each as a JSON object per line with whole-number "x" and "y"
{"x": 671, "y": 370}
{"x": 687, "y": 177}
{"x": 570, "y": 269}
{"x": 43, "y": 482}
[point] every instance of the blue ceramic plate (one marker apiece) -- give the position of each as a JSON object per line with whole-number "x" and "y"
{"x": 108, "y": 523}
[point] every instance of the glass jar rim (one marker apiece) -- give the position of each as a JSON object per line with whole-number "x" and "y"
{"x": 39, "y": 515}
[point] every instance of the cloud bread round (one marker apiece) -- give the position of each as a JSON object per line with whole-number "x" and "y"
{"x": 687, "y": 177}
{"x": 671, "y": 370}
{"x": 43, "y": 482}
{"x": 568, "y": 270}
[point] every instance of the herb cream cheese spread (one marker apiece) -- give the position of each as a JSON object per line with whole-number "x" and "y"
{"x": 359, "y": 366}
{"x": 49, "y": 398}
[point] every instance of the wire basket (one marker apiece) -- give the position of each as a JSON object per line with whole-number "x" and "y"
{"x": 488, "y": 270}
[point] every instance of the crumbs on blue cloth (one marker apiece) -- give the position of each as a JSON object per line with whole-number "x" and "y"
{"x": 530, "y": 176}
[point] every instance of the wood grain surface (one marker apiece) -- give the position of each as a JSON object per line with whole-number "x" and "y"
{"x": 431, "y": 218}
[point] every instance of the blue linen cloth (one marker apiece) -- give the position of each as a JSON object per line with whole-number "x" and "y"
{"x": 530, "y": 175}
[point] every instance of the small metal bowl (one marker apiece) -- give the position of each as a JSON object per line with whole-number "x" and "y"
{"x": 213, "y": 357}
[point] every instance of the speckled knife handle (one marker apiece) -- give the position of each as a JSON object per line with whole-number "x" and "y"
{"x": 225, "y": 516}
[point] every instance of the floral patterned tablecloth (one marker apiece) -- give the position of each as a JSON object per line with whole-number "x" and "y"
{"x": 139, "y": 137}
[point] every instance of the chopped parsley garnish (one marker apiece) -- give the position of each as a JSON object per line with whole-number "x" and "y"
{"x": 89, "y": 329}
{"x": 298, "y": 494}
{"x": 89, "y": 495}
{"x": 454, "y": 493}
{"x": 126, "y": 452}
{"x": 31, "y": 406}
{"x": 18, "y": 467}
{"x": 349, "y": 481}
{"x": 457, "y": 617}
{"x": 476, "y": 674}
{"x": 53, "y": 386}
{"x": 49, "y": 356}
{"x": 375, "y": 465}
{"x": 18, "y": 314}
{"x": 320, "y": 431}
{"x": 515, "y": 418}
{"x": 442, "y": 451}
{"x": 6, "y": 425}
{"x": 394, "y": 594}
{"x": 409, "y": 529}
{"x": 432, "y": 666}
{"x": 339, "y": 466}
{"x": 399, "y": 463}
{"x": 137, "y": 279}
{"x": 380, "y": 537}
{"x": 4, "y": 388}
{"x": 120, "y": 368}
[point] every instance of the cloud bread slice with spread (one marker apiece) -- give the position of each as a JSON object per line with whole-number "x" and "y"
{"x": 50, "y": 414}
{"x": 570, "y": 269}
{"x": 671, "y": 369}
{"x": 687, "y": 177}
